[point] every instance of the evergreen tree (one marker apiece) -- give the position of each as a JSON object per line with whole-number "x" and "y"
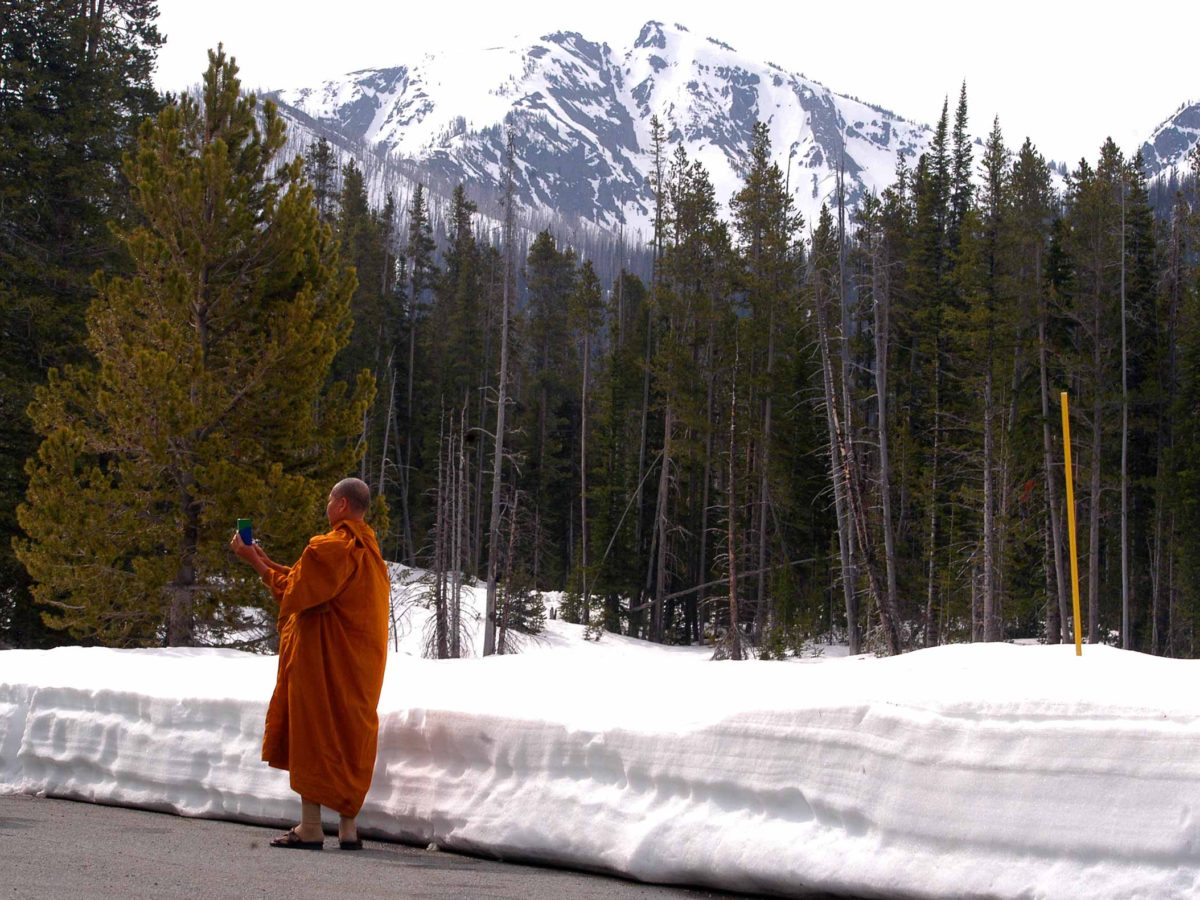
{"x": 615, "y": 476}
{"x": 209, "y": 396}
{"x": 456, "y": 331}
{"x": 548, "y": 408}
{"x": 585, "y": 312}
{"x": 982, "y": 343}
{"x": 1143, "y": 393}
{"x": 320, "y": 168}
{"x": 1029, "y": 244}
{"x": 922, "y": 341}
{"x": 692, "y": 296}
{"x": 1094, "y": 249}
{"x": 962, "y": 172}
{"x": 1176, "y": 467}
{"x": 422, "y": 276}
{"x": 767, "y": 228}
{"x": 362, "y": 246}
{"x": 75, "y": 81}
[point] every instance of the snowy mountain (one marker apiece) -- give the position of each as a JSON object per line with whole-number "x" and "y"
{"x": 581, "y": 113}
{"x": 1167, "y": 150}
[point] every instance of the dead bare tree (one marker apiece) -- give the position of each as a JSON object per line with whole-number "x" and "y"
{"x": 489, "y": 626}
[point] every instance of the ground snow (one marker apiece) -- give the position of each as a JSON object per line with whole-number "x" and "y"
{"x": 981, "y": 770}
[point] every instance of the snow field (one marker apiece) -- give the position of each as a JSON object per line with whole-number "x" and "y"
{"x": 982, "y": 770}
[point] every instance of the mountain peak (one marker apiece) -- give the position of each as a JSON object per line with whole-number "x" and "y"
{"x": 651, "y": 36}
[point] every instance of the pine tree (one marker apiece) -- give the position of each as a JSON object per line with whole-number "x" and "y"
{"x": 585, "y": 314}
{"x": 922, "y": 348}
{"x": 75, "y": 81}
{"x": 767, "y": 227}
{"x": 320, "y": 168}
{"x": 362, "y": 246}
{"x": 209, "y": 396}
{"x": 1142, "y": 391}
{"x": 423, "y": 275}
{"x": 961, "y": 173}
{"x": 549, "y": 407}
{"x": 980, "y": 341}
{"x": 1095, "y": 250}
{"x": 692, "y": 285}
{"x": 1174, "y": 478}
{"x": 1029, "y": 244}
{"x": 617, "y": 429}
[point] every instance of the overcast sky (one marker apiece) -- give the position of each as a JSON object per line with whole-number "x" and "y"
{"x": 1067, "y": 74}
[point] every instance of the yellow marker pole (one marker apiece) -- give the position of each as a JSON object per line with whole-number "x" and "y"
{"x": 1071, "y": 525}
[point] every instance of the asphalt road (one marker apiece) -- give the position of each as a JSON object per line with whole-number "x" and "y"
{"x": 62, "y": 850}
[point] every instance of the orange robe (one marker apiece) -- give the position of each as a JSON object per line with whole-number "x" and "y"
{"x": 322, "y": 724}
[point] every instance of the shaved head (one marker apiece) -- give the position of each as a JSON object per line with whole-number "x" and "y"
{"x": 355, "y": 492}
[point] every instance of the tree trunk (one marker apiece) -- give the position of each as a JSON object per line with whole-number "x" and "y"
{"x": 637, "y": 541}
{"x": 735, "y": 637}
{"x": 440, "y": 551}
{"x": 991, "y": 630}
{"x": 387, "y": 429}
{"x": 1094, "y": 508}
{"x": 846, "y": 393}
{"x": 1005, "y": 456}
{"x": 583, "y": 520}
{"x": 1164, "y": 537}
{"x": 1125, "y": 635}
{"x": 882, "y": 309}
{"x": 837, "y": 475}
{"x": 932, "y": 635}
{"x": 181, "y": 622}
{"x": 410, "y": 553}
{"x": 1055, "y": 531}
{"x": 657, "y": 623}
{"x": 461, "y": 528}
{"x": 489, "y": 627}
{"x": 708, "y": 455}
{"x": 405, "y": 515}
{"x": 762, "y": 614}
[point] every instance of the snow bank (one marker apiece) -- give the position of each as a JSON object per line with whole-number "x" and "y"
{"x": 985, "y": 770}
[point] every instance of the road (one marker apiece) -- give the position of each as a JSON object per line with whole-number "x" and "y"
{"x": 62, "y": 850}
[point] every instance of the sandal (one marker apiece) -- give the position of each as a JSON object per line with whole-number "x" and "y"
{"x": 292, "y": 841}
{"x": 355, "y": 844}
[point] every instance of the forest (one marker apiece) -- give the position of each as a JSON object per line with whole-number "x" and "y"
{"x": 775, "y": 434}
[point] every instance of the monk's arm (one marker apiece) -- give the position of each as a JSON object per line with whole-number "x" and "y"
{"x": 272, "y": 573}
{"x": 319, "y": 576}
{"x": 270, "y": 563}
{"x": 253, "y": 555}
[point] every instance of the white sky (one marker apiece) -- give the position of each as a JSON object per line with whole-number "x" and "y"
{"x": 1067, "y": 74}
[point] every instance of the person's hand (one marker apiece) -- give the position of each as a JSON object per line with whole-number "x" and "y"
{"x": 243, "y": 551}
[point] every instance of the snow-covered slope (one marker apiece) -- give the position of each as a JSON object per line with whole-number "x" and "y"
{"x": 972, "y": 770}
{"x": 581, "y": 113}
{"x": 1168, "y": 150}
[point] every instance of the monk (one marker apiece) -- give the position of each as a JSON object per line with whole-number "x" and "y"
{"x": 322, "y": 724}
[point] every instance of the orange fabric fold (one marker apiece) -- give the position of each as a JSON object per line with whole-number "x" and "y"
{"x": 322, "y": 724}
